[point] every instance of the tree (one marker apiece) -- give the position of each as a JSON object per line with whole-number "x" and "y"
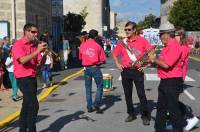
{"x": 186, "y": 14}
{"x": 74, "y": 22}
{"x": 149, "y": 21}
{"x": 84, "y": 12}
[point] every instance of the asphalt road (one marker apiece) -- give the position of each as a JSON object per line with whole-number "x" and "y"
{"x": 65, "y": 109}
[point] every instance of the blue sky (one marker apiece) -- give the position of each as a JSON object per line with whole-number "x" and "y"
{"x": 135, "y": 10}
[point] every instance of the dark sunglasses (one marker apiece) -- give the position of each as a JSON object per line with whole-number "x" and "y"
{"x": 127, "y": 29}
{"x": 34, "y": 32}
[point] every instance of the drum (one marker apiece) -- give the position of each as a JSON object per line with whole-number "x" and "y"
{"x": 107, "y": 82}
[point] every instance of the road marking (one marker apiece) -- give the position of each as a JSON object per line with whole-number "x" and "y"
{"x": 154, "y": 77}
{"x": 120, "y": 78}
{"x": 189, "y": 95}
{"x": 112, "y": 69}
{"x": 195, "y": 58}
{"x": 41, "y": 97}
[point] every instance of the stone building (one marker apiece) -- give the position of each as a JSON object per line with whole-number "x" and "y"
{"x": 98, "y": 13}
{"x": 20, "y": 12}
{"x": 165, "y": 9}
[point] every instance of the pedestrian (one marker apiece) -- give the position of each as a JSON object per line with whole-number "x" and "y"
{"x": 9, "y": 67}
{"x": 46, "y": 69}
{"x": 169, "y": 69}
{"x": 2, "y": 87}
{"x": 26, "y": 56}
{"x": 138, "y": 46}
{"x": 92, "y": 56}
{"x": 66, "y": 51}
{"x": 185, "y": 49}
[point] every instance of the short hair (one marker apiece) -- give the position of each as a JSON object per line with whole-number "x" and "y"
{"x": 131, "y": 23}
{"x": 93, "y": 33}
{"x": 181, "y": 32}
{"x": 28, "y": 26}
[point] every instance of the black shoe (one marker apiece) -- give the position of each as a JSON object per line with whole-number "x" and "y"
{"x": 14, "y": 99}
{"x": 90, "y": 110}
{"x": 98, "y": 110}
{"x": 145, "y": 121}
{"x": 130, "y": 118}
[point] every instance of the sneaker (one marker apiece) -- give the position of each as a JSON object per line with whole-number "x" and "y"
{"x": 98, "y": 110}
{"x": 90, "y": 110}
{"x": 44, "y": 85}
{"x": 191, "y": 123}
{"x": 14, "y": 99}
{"x": 130, "y": 118}
{"x": 145, "y": 121}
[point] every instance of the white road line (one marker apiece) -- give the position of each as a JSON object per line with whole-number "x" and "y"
{"x": 154, "y": 77}
{"x": 120, "y": 78}
{"x": 189, "y": 95}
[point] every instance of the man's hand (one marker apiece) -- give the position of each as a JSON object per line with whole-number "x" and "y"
{"x": 42, "y": 47}
{"x": 119, "y": 66}
{"x": 152, "y": 56}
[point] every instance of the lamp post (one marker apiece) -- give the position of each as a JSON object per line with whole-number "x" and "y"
{"x": 13, "y": 19}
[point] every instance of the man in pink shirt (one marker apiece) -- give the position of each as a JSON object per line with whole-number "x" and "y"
{"x": 170, "y": 71}
{"x": 92, "y": 56}
{"x": 185, "y": 50}
{"x": 26, "y": 55}
{"x": 138, "y": 46}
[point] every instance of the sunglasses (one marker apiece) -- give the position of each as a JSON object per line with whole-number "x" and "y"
{"x": 34, "y": 32}
{"x": 127, "y": 29}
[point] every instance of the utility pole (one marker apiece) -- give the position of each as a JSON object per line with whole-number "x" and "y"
{"x": 13, "y": 19}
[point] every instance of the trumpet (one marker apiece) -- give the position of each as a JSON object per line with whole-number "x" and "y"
{"x": 144, "y": 58}
{"x": 55, "y": 55}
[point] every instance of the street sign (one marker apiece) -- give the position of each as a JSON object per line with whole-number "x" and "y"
{"x": 4, "y": 29}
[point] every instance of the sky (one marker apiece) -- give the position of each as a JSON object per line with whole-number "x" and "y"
{"x": 135, "y": 10}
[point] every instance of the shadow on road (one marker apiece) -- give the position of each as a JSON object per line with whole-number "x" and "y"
{"x": 57, "y": 125}
{"x": 15, "y": 124}
{"x": 110, "y": 100}
{"x": 151, "y": 105}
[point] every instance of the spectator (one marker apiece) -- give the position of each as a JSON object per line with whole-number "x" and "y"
{"x": 46, "y": 69}
{"x": 9, "y": 67}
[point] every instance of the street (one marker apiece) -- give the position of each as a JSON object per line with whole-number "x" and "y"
{"x": 65, "y": 109}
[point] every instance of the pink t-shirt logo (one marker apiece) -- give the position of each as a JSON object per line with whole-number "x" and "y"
{"x": 90, "y": 52}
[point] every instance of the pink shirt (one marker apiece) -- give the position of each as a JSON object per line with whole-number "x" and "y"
{"x": 139, "y": 45}
{"x": 171, "y": 55}
{"x": 91, "y": 53}
{"x": 22, "y": 48}
{"x": 185, "y": 49}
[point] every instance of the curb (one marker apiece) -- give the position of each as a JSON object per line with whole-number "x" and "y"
{"x": 41, "y": 97}
{"x": 195, "y": 58}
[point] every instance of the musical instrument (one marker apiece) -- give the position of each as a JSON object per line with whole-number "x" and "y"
{"x": 55, "y": 56}
{"x": 107, "y": 82}
{"x": 144, "y": 59}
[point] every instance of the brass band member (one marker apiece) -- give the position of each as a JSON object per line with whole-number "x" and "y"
{"x": 138, "y": 46}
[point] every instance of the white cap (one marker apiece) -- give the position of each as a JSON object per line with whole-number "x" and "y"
{"x": 166, "y": 27}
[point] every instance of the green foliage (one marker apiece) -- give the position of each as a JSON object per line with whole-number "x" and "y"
{"x": 186, "y": 14}
{"x": 73, "y": 22}
{"x": 84, "y": 12}
{"x": 149, "y": 21}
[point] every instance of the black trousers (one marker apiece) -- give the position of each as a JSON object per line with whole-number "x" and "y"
{"x": 30, "y": 106}
{"x": 128, "y": 77}
{"x": 168, "y": 96}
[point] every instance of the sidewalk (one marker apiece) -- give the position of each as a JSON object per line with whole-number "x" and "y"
{"x": 9, "y": 107}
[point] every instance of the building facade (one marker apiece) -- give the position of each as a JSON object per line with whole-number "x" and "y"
{"x": 20, "y": 12}
{"x": 98, "y": 13}
{"x": 165, "y": 9}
